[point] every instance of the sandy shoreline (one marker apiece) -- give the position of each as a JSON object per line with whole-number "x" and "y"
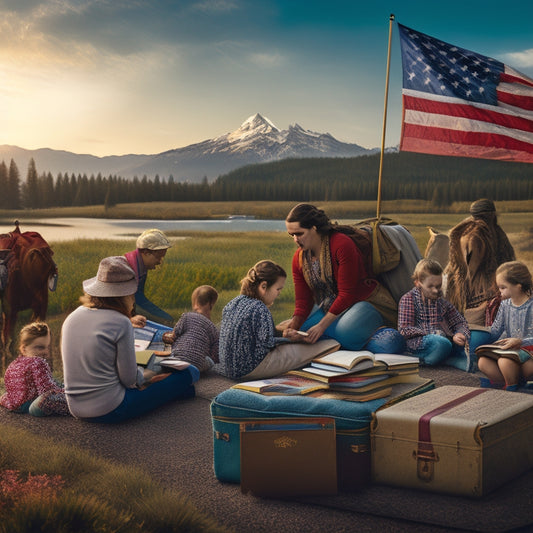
{"x": 67, "y": 229}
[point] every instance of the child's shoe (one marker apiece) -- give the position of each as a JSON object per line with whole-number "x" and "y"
{"x": 512, "y": 388}
{"x": 486, "y": 383}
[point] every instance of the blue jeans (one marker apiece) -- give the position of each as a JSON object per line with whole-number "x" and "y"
{"x": 386, "y": 340}
{"x": 477, "y": 338}
{"x": 436, "y": 350}
{"x": 179, "y": 385}
{"x": 353, "y": 328}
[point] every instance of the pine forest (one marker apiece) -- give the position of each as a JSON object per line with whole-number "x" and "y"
{"x": 440, "y": 180}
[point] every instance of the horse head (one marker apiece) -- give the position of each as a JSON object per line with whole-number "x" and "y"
{"x": 438, "y": 247}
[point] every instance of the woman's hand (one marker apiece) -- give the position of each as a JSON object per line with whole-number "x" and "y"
{"x": 315, "y": 332}
{"x": 138, "y": 321}
{"x": 294, "y": 335}
{"x": 286, "y": 324}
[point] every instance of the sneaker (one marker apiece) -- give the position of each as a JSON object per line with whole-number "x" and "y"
{"x": 512, "y": 388}
{"x": 486, "y": 383}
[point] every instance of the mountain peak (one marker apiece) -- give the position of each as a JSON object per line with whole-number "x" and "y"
{"x": 252, "y": 126}
{"x": 257, "y": 121}
{"x": 256, "y": 140}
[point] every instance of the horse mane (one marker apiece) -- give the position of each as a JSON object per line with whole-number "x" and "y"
{"x": 472, "y": 263}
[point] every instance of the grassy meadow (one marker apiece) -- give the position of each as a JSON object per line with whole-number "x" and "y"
{"x": 219, "y": 259}
{"x": 263, "y": 210}
{"x": 222, "y": 259}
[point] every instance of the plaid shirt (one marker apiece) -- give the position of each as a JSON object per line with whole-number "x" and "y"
{"x": 419, "y": 316}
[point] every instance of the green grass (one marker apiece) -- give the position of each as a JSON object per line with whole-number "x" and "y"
{"x": 222, "y": 260}
{"x": 97, "y": 496}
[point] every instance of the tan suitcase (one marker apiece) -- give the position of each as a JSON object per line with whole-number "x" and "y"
{"x": 458, "y": 440}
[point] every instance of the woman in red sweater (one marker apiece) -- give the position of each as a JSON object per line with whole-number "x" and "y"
{"x": 332, "y": 285}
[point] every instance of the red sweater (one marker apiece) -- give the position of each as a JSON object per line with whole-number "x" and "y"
{"x": 348, "y": 271}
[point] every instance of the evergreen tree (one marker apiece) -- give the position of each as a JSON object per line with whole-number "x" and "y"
{"x": 46, "y": 188}
{"x": 32, "y": 198}
{"x": 4, "y": 204}
{"x": 13, "y": 187}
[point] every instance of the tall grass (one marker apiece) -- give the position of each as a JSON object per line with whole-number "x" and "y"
{"x": 95, "y": 495}
{"x": 196, "y": 258}
{"x": 222, "y": 259}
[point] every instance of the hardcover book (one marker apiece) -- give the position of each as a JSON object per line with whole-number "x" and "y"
{"x": 495, "y": 351}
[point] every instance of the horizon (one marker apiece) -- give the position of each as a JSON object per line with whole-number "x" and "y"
{"x": 104, "y": 79}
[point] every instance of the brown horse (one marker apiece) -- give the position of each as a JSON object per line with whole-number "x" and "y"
{"x": 29, "y": 268}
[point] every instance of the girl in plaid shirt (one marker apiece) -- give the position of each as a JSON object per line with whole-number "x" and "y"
{"x": 432, "y": 327}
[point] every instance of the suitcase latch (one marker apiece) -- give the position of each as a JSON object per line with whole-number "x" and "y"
{"x": 222, "y": 436}
{"x": 426, "y": 457}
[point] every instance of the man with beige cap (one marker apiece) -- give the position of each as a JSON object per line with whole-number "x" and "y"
{"x": 152, "y": 245}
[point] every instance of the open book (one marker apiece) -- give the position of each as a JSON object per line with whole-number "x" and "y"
{"x": 143, "y": 337}
{"x": 372, "y": 365}
{"x": 159, "y": 361}
{"x": 495, "y": 351}
{"x": 287, "y": 385}
{"x": 343, "y": 360}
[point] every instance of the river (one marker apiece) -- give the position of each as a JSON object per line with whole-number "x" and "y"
{"x": 66, "y": 229}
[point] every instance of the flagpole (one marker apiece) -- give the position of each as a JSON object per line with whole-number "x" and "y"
{"x": 378, "y": 210}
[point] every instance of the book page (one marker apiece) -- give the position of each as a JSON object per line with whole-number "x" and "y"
{"x": 392, "y": 359}
{"x": 345, "y": 358}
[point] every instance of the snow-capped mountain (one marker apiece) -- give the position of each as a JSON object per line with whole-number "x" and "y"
{"x": 257, "y": 140}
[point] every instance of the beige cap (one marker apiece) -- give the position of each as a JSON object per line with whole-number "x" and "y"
{"x": 153, "y": 239}
{"x": 115, "y": 278}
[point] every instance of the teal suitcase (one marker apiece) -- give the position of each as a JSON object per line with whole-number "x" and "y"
{"x": 352, "y": 422}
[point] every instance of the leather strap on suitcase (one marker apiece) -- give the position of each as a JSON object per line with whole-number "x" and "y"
{"x": 426, "y": 456}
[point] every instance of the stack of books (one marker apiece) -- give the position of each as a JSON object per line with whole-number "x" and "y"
{"x": 347, "y": 375}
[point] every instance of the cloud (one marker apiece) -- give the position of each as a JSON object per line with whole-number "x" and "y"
{"x": 522, "y": 59}
{"x": 215, "y": 6}
{"x": 267, "y": 60}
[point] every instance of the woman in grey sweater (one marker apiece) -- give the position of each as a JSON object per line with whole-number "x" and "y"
{"x": 102, "y": 380}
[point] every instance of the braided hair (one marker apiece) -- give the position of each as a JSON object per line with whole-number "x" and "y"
{"x": 265, "y": 270}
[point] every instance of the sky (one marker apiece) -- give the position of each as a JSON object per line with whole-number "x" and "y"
{"x": 114, "y": 77}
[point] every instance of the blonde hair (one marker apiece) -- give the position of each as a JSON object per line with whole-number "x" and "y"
{"x": 516, "y": 273}
{"x": 265, "y": 270}
{"x": 32, "y": 331}
{"x": 203, "y": 295}
{"x": 425, "y": 268}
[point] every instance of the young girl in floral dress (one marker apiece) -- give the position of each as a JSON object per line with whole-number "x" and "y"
{"x": 30, "y": 386}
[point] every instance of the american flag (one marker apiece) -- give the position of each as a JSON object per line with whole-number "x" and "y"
{"x": 457, "y": 102}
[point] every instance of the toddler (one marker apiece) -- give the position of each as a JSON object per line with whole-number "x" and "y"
{"x": 195, "y": 337}
{"x": 30, "y": 387}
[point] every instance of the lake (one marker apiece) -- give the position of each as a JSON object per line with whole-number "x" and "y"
{"x": 66, "y": 229}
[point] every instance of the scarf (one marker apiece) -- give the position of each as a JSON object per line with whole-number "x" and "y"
{"x": 318, "y": 275}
